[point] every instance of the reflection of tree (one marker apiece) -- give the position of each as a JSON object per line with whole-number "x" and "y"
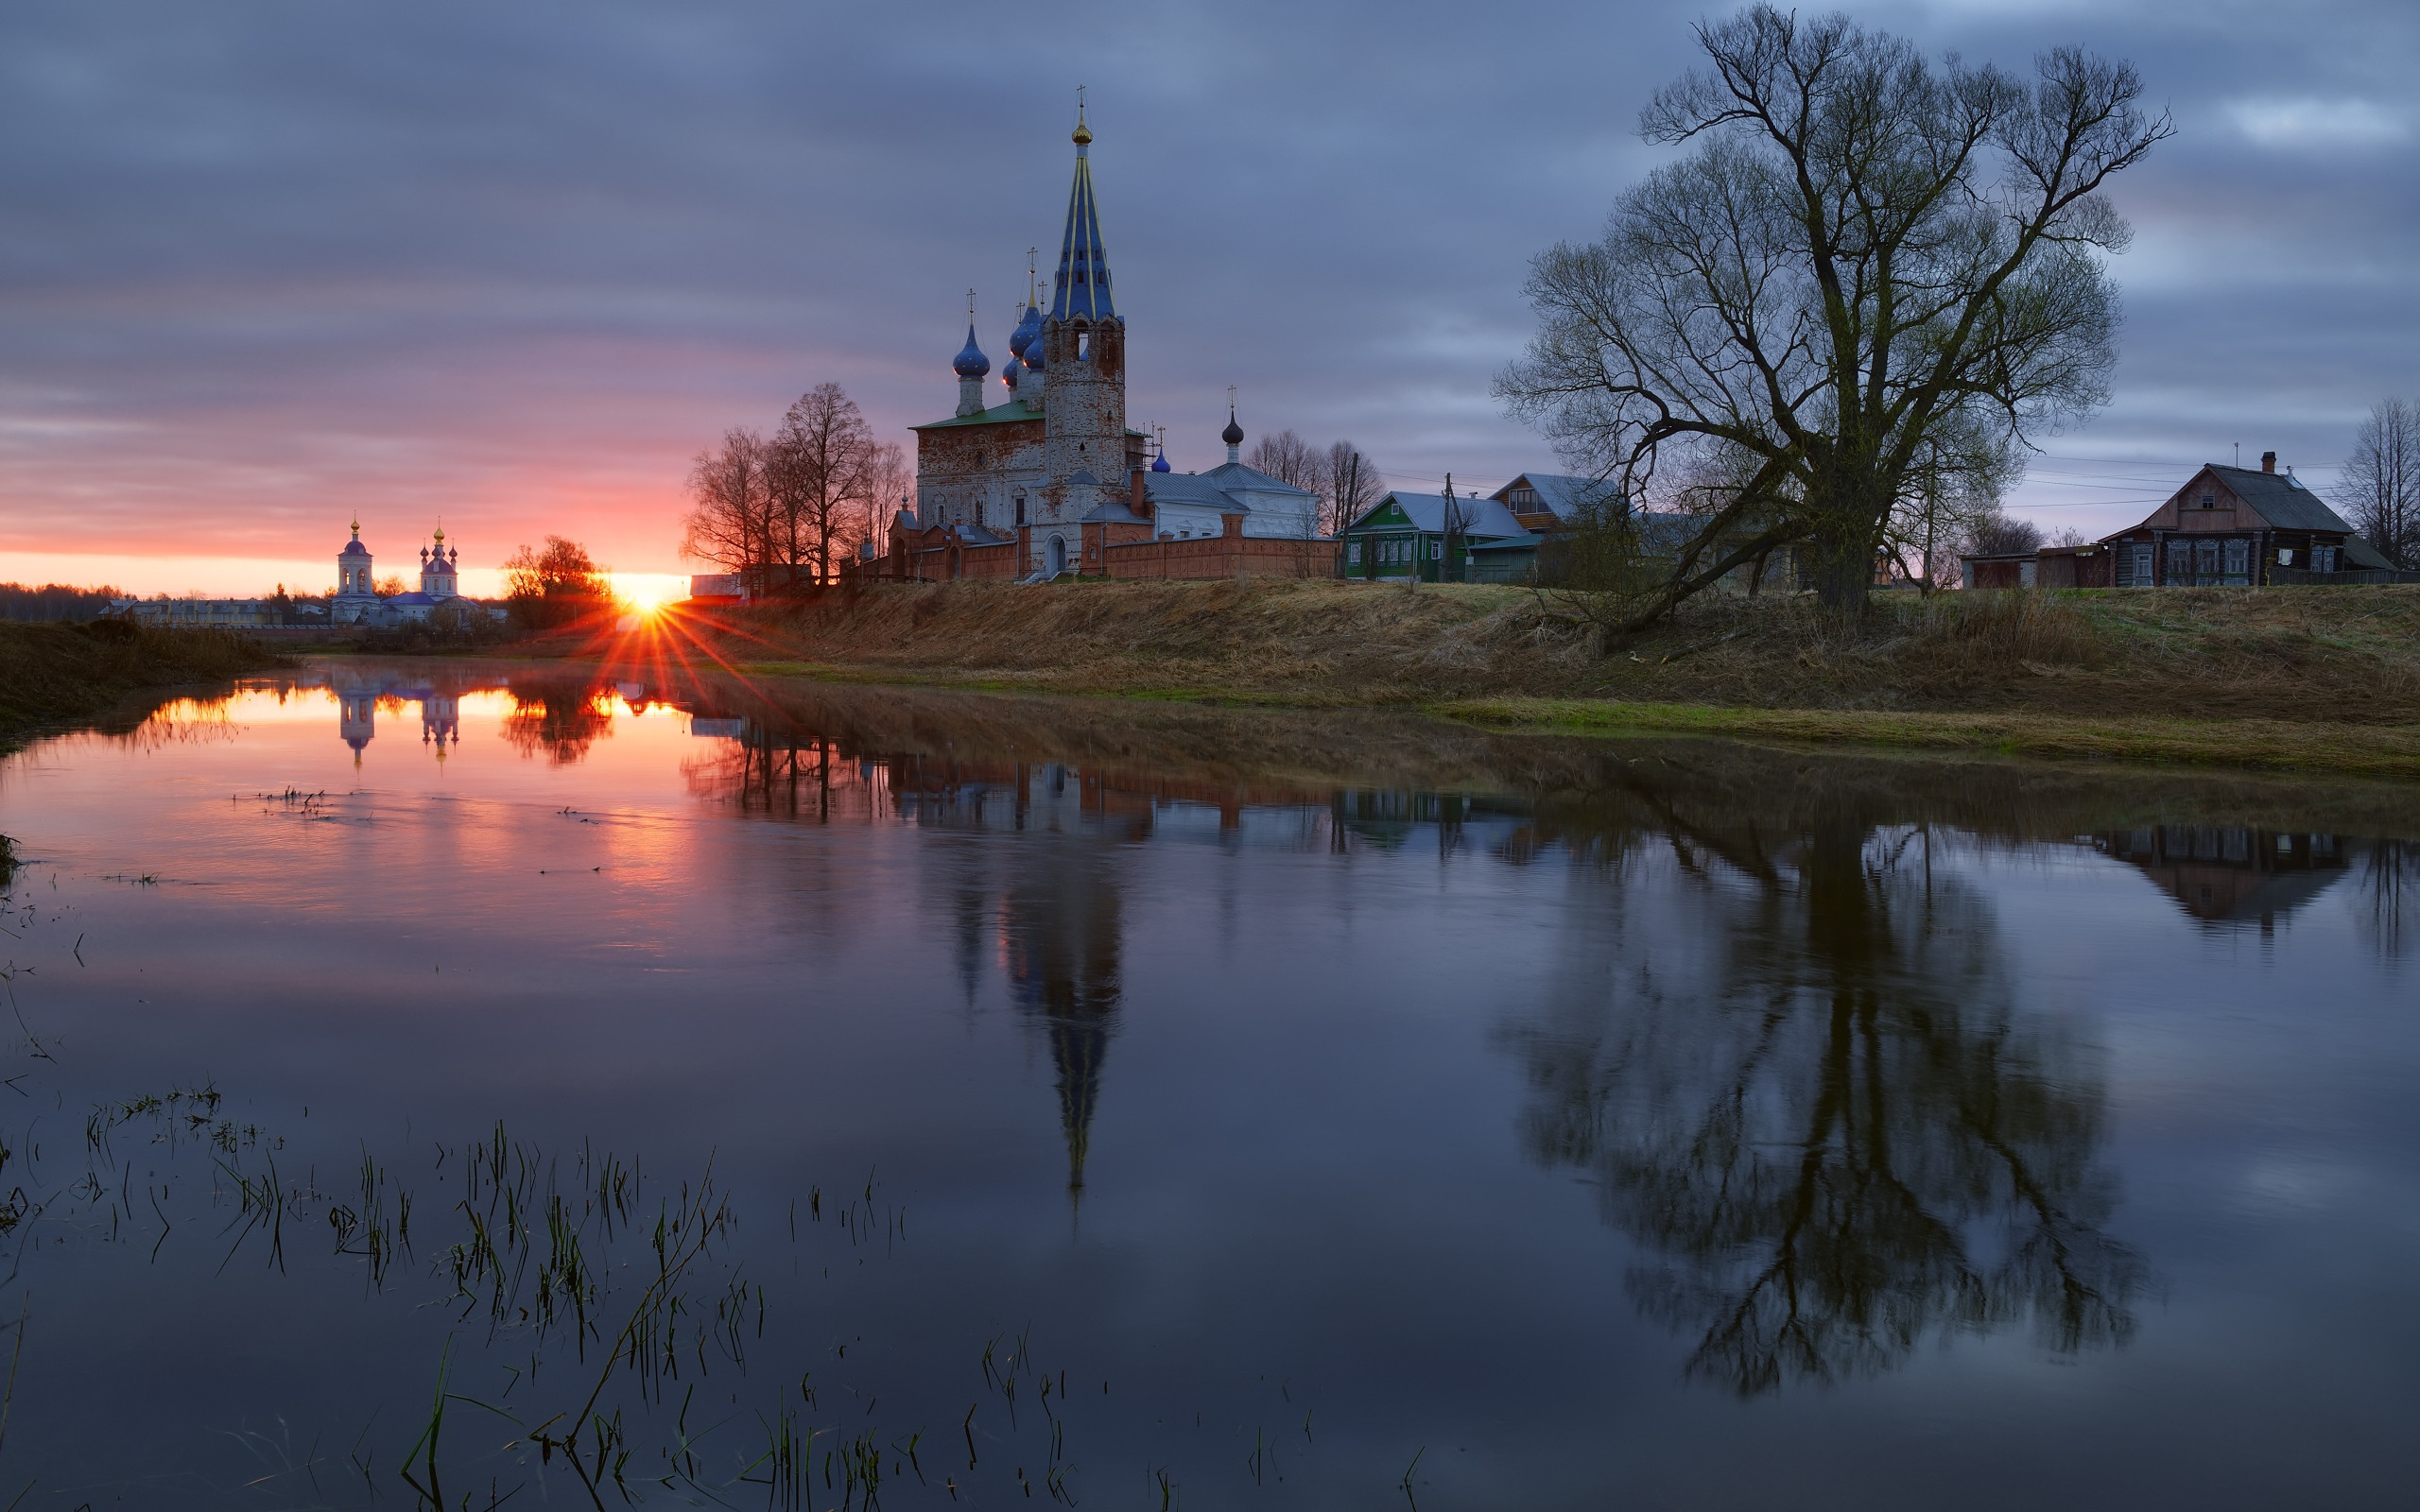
{"x": 2391, "y": 889}
{"x": 558, "y": 719}
{"x": 1845, "y": 1138}
{"x": 765, "y": 771}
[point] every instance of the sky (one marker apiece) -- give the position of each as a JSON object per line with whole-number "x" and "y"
{"x": 270, "y": 265}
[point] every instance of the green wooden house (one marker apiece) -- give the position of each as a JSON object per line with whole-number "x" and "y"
{"x": 1404, "y": 537}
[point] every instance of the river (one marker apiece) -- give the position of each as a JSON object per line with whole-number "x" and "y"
{"x": 434, "y": 1082}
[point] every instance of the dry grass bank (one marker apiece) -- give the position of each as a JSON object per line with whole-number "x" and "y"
{"x": 54, "y": 675}
{"x": 2339, "y": 656}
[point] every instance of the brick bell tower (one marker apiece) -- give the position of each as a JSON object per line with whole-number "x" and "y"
{"x": 1084, "y": 368}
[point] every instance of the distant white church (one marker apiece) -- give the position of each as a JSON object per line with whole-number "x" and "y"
{"x": 356, "y": 600}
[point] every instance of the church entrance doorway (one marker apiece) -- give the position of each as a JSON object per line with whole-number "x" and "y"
{"x": 1058, "y": 555}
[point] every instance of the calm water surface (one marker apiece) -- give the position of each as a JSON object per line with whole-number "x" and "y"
{"x": 439, "y": 1083}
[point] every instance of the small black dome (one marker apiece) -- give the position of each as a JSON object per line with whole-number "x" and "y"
{"x": 1234, "y": 433}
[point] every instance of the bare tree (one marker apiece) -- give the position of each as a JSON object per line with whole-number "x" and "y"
{"x": 2380, "y": 485}
{"x": 1862, "y": 249}
{"x": 1349, "y": 484}
{"x": 823, "y": 468}
{"x": 2000, "y": 534}
{"x": 1954, "y": 487}
{"x": 1286, "y": 458}
{"x": 730, "y": 523}
{"x": 890, "y": 482}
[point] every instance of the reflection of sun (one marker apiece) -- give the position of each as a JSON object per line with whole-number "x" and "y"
{"x": 647, "y": 593}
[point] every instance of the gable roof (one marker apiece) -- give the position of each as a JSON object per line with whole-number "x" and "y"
{"x": 1237, "y": 475}
{"x": 1187, "y": 488}
{"x": 2279, "y": 499}
{"x": 1426, "y": 512}
{"x": 1559, "y": 492}
{"x": 1225, "y": 488}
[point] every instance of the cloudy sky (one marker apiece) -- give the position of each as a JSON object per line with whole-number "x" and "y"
{"x": 269, "y": 263}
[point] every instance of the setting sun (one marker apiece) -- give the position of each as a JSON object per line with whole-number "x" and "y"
{"x": 645, "y": 593}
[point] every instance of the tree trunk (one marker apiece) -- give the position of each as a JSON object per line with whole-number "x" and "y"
{"x": 1842, "y": 568}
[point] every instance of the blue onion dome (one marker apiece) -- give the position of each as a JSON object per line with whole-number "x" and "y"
{"x": 1234, "y": 433}
{"x": 1033, "y": 356}
{"x": 1029, "y": 330}
{"x": 971, "y": 363}
{"x": 1160, "y": 463}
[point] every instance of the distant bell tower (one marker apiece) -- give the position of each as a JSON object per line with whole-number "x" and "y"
{"x": 1083, "y": 347}
{"x": 355, "y": 588}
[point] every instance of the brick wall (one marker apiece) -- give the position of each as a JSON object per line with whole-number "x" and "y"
{"x": 1231, "y": 555}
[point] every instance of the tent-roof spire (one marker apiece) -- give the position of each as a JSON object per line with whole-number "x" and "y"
{"x": 1082, "y": 290}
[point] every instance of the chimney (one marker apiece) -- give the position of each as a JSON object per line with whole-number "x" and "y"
{"x": 2267, "y": 461}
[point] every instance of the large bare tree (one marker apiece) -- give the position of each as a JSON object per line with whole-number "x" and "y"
{"x": 824, "y": 468}
{"x": 1861, "y": 247}
{"x": 2380, "y": 485}
{"x": 730, "y": 523}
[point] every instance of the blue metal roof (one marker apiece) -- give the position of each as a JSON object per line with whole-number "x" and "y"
{"x": 1562, "y": 493}
{"x": 1081, "y": 291}
{"x": 1238, "y": 476}
{"x": 1426, "y": 512}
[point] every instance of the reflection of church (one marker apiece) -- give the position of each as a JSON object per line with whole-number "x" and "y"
{"x": 359, "y": 696}
{"x": 1056, "y": 922}
{"x": 2225, "y": 874}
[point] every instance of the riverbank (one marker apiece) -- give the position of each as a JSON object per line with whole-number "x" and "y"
{"x": 53, "y": 675}
{"x": 2287, "y": 680}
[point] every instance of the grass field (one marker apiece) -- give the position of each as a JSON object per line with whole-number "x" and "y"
{"x": 2296, "y": 679}
{"x": 55, "y": 674}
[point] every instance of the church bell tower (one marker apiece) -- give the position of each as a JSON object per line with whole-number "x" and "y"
{"x": 1084, "y": 367}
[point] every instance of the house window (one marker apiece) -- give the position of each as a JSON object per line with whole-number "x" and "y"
{"x": 2322, "y": 559}
{"x": 2206, "y": 557}
{"x": 2180, "y": 562}
{"x": 1524, "y": 498}
{"x": 2209, "y": 501}
{"x": 2238, "y": 559}
{"x": 1353, "y": 553}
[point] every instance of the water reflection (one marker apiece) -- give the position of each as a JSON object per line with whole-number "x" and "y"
{"x": 1784, "y": 1034}
{"x": 363, "y": 689}
{"x": 2232, "y": 874}
{"x": 1814, "y": 1100}
{"x": 558, "y": 722}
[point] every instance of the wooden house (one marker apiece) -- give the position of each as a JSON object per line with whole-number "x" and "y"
{"x": 1407, "y": 536}
{"x": 2235, "y": 527}
{"x": 2227, "y": 527}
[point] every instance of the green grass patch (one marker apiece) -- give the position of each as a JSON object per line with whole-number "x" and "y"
{"x": 2369, "y": 750}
